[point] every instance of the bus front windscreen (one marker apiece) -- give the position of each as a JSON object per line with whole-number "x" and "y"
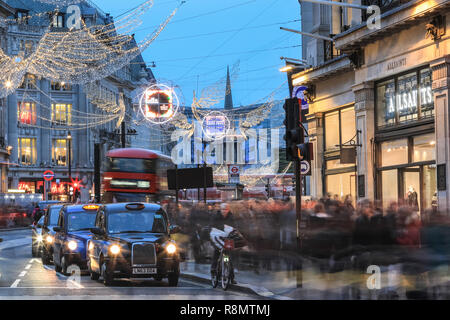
{"x": 131, "y": 165}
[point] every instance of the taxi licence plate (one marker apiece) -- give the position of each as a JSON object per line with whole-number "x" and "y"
{"x": 144, "y": 270}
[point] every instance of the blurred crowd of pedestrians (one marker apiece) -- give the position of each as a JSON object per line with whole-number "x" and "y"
{"x": 335, "y": 235}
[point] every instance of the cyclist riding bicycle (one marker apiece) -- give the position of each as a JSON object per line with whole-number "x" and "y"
{"x": 219, "y": 221}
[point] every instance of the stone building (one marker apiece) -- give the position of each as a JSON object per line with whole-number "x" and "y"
{"x": 383, "y": 91}
{"x": 31, "y": 116}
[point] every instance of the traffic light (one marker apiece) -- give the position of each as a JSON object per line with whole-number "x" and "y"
{"x": 305, "y": 151}
{"x": 294, "y": 133}
{"x": 268, "y": 189}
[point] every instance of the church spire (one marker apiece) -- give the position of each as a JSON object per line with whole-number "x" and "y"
{"x": 228, "y": 96}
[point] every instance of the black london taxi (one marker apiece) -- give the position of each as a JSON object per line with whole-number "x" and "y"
{"x": 51, "y": 217}
{"x": 132, "y": 240}
{"x": 71, "y": 235}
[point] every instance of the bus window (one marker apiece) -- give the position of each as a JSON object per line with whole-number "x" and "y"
{"x": 131, "y": 165}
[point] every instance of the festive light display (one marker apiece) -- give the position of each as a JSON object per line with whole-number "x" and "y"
{"x": 215, "y": 125}
{"x": 79, "y": 56}
{"x": 159, "y": 103}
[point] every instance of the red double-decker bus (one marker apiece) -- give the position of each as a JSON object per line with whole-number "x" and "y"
{"x": 135, "y": 174}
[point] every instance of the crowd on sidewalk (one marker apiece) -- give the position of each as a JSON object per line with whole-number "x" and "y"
{"x": 336, "y": 235}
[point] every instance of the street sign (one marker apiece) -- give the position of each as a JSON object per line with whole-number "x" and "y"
{"x": 234, "y": 170}
{"x": 305, "y": 168}
{"x": 234, "y": 174}
{"x": 49, "y": 175}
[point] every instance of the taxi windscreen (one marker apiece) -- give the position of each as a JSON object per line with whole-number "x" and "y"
{"x": 78, "y": 221}
{"x": 136, "y": 221}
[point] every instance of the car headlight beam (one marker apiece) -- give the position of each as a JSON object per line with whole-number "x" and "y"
{"x": 114, "y": 249}
{"x": 72, "y": 245}
{"x": 49, "y": 239}
{"x": 39, "y": 238}
{"x": 171, "y": 248}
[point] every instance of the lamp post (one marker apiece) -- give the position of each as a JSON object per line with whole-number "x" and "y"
{"x": 69, "y": 140}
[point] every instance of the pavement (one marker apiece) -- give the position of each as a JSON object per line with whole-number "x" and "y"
{"x": 310, "y": 283}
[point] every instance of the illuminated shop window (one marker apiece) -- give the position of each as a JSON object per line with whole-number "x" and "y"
{"x": 26, "y": 113}
{"x": 394, "y": 152}
{"x": 405, "y": 98}
{"x": 27, "y": 151}
{"x": 59, "y": 152}
{"x": 340, "y": 128}
{"x": 424, "y": 148}
{"x": 61, "y": 114}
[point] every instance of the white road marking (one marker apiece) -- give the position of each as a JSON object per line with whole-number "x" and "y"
{"x": 28, "y": 267}
{"x": 14, "y": 285}
{"x": 22, "y": 274}
{"x": 71, "y": 283}
{"x": 35, "y": 260}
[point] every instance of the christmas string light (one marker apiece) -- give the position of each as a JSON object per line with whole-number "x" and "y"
{"x": 78, "y": 56}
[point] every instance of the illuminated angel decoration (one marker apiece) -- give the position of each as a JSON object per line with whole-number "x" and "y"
{"x": 80, "y": 56}
{"x": 106, "y": 102}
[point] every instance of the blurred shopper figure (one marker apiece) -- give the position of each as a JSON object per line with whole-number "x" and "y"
{"x": 362, "y": 233}
{"x": 37, "y": 214}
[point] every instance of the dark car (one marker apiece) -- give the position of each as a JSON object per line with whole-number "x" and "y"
{"x": 71, "y": 235}
{"x": 36, "y": 238}
{"x": 132, "y": 240}
{"x": 51, "y": 217}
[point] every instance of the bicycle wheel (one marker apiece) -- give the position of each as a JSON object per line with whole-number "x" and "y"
{"x": 216, "y": 274}
{"x": 226, "y": 272}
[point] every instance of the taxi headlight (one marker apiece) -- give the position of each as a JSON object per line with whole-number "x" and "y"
{"x": 171, "y": 248}
{"x": 49, "y": 239}
{"x": 91, "y": 246}
{"x": 39, "y": 238}
{"x": 114, "y": 249}
{"x": 72, "y": 245}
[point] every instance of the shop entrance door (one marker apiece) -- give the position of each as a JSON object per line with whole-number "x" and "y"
{"x": 410, "y": 186}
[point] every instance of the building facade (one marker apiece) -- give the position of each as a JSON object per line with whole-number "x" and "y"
{"x": 382, "y": 92}
{"x": 41, "y": 120}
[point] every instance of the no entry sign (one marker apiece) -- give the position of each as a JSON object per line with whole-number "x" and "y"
{"x": 49, "y": 175}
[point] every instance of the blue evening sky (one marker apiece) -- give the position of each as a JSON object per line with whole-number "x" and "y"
{"x": 207, "y": 35}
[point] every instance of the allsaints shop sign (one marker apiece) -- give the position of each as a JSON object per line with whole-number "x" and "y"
{"x": 406, "y": 101}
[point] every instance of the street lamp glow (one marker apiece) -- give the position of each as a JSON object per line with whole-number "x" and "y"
{"x": 8, "y": 84}
{"x": 286, "y": 68}
{"x": 69, "y": 136}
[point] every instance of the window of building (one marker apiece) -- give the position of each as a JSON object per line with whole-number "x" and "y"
{"x": 404, "y": 98}
{"x": 348, "y": 125}
{"x": 341, "y": 185}
{"x": 389, "y": 181}
{"x": 26, "y": 113}
{"x": 60, "y": 86}
{"x": 394, "y": 152}
{"x": 59, "y": 152}
{"x": 22, "y": 16}
{"x": 27, "y": 151}
{"x": 58, "y": 20}
{"x": 424, "y": 148}
{"x": 29, "y": 82}
{"x": 340, "y": 128}
{"x": 61, "y": 114}
{"x": 332, "y": 130}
